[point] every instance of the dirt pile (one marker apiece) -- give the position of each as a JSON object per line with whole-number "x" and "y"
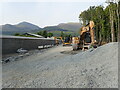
{"x": 94, "y": 68}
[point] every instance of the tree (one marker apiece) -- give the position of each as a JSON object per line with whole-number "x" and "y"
{"x": 40, "y": 33}
{"x": 17, "y": 34}
{"x": 106, "y": 21}
{"x": 112, "y": 22}
{"x": 115, "y": 17}
{"x": 62, "y": 34}
{"x": 50, "y": 34}
{"x": 44, "y": 34}
{"x": 118, "y": 15}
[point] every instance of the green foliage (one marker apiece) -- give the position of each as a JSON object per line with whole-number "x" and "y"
{"x": 101, "y": 17}
{"x": 50, "y": 34}
{"x": 40, "y": 33}
{"x": 16, "y": 34}
{"x": 45, "y": 34}
{"x": 62, "y": 34}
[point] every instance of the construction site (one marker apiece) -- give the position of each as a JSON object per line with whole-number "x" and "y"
{"x": 60, "y": 67}
{"x": 64, "y": 55}
{"x": 77, "y": 62}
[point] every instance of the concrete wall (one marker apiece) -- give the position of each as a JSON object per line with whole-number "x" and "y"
{"x": 10, "y": 44}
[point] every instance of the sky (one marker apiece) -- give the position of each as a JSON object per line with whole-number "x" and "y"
{"x": 44, "y": 13}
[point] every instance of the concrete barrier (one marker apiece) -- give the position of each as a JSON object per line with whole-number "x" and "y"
{"x": 10, "y": 44}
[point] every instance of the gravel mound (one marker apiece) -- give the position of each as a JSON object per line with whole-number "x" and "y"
{"x": 94, "y": 68}
{"x": 99, "y": 66}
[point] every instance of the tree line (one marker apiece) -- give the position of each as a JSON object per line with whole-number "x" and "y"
{"x": 107, "y": 27}
{"x": 45, "y": 33}
{"x": 63, "y": 35}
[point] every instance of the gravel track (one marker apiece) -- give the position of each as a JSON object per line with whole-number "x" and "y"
{"x": 53, "y": 68}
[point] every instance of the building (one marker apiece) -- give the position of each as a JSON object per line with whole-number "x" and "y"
{"x": 35, "y": 35}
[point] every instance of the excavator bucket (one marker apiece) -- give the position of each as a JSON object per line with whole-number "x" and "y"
{"x": 75, "y": 42}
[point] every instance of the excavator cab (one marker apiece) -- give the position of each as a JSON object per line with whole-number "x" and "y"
{"x": 67, "y": 41}
{"x": 86, "y": 41}
{"x": 87, "y": 37}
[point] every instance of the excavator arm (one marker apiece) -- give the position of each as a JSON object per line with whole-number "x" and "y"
{"x": 92, "y": 32}
{"x": 86, "y": 37}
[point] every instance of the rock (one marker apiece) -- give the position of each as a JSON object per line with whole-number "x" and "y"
{"x": 27, "y": 54}
{"x": 21, "y": 50}
{"x": 7, "y": 60}
{"x": 20, "y": 56}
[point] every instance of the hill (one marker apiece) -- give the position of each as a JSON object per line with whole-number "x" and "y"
{"x": 57, "y": 31}
{"x": 54, "y": 28}
{"x": 27, "y": 26}
{"x": 70, "y": 26}
{"x": 22, "y": 27}
{"x": 9, "y": 27}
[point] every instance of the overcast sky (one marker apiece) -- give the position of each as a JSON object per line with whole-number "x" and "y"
{"x": 44, "y": 13}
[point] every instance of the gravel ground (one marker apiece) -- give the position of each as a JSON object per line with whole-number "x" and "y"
{"x": 54, "y": 68}
{"x": 7, "y": 58}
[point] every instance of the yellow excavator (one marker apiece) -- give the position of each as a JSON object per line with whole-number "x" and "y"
{"x": 86, "y": 38}
{"x": 58, "y": 40}
{"x": 66, "y": 41}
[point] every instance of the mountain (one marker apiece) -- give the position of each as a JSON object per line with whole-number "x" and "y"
{"x": 9, "y": 27}
{"x": 27, "y": 26}
{"x": 71, "y": 27}
{"x": 75, "y": 27}
{"x": 68, "y": 28}
{"x": 54, "y": 28}
{"x": 22, "y": 27}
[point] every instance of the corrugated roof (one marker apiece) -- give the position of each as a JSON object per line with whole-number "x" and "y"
{"x": 39, "y": 36}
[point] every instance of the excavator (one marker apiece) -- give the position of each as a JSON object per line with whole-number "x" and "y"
{"x": 66, "y": 41}
{"x": 57, "y": 40}
{"x": 86, "y": 38}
